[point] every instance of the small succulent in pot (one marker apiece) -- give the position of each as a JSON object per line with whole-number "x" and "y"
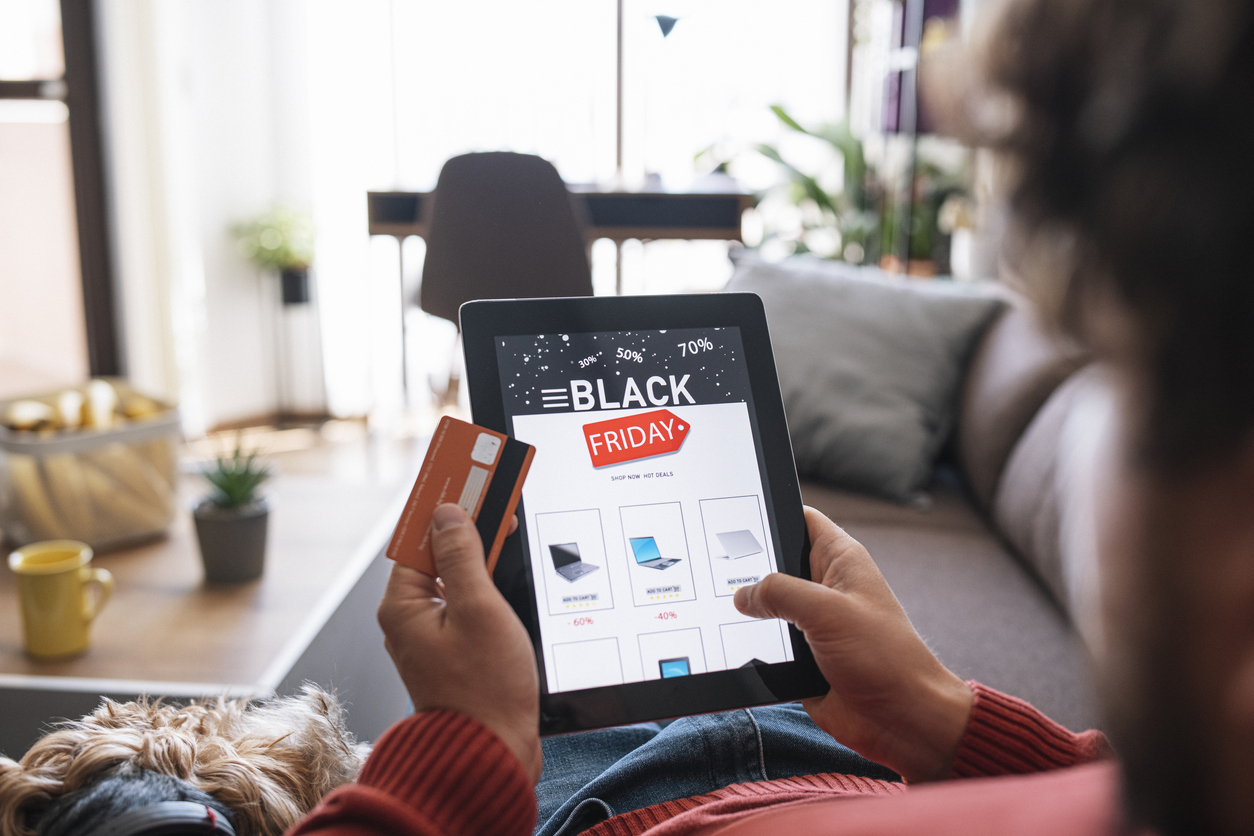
{"x": 231, "y": 523}
{"x": 236, "y": 479}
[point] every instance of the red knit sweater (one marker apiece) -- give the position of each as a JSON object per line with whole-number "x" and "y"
{"x": 442, "y": 774}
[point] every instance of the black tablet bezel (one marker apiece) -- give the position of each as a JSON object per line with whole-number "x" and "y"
{"x": 634, "y": 702}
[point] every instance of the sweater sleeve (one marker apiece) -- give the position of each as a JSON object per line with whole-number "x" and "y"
{"x": 438, "y": 773}
{"x": 1007, "y": 736}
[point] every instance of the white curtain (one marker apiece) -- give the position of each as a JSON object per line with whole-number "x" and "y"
{"x": 219, "y": 109}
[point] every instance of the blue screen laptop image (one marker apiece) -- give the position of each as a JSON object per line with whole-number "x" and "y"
{"x": 647, "y": 554}
{"x": 567, "y": 562}
{"x": 669, "y": 668}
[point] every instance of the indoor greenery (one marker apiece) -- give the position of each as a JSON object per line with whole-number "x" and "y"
{"x": 282, "y": 239}
{"x": 853, "y": 212}
{"x": 858, "y": 220}
{"x": 236, "y": 478}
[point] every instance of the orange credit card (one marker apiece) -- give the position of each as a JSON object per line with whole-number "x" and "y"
{"x": 479, "y": 469}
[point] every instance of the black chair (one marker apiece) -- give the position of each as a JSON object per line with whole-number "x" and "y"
{"x": 503, "y": 226}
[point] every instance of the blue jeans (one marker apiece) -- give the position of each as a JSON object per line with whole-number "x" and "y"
{"x": 592, "y": 776}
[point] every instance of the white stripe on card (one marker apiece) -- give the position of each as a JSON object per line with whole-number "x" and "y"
{"x": 475, "y": 481}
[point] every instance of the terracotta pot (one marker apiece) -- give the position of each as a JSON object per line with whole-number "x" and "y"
{"x": 232, "y": 540}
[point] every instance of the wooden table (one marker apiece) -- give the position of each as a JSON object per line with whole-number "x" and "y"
{"x": 310, "y": 616}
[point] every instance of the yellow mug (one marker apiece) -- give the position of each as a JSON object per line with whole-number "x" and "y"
{"x": 54, "y": 585}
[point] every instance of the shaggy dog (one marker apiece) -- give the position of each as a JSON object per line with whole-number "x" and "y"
{"x": 267, "y": 762}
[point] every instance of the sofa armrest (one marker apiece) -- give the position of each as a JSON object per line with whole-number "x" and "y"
{"x": 1016, "y": 367}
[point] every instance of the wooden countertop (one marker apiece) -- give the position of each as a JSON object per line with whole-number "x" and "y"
{"x": 332, "y": 509}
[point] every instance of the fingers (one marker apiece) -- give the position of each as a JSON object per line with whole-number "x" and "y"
{"x": 783, "y": 596}
{"x": 405, "y": 582}
{"x": 458, "y": 551}
{"x": 409, "y": 592}
{"x": 828, "y": 543}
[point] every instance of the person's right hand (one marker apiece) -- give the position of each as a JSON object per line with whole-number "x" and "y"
{"x": 891, "y": 700}
{"x": 457, "y": 644}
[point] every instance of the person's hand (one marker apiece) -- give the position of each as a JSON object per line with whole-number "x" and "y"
{"x": 891, "y": 700}
{"x": 457, "y": 644}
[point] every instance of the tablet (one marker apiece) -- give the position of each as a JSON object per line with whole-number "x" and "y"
{"x": 663, "y": 481}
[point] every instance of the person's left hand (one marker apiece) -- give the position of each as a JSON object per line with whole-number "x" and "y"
{"x": 458, "y": 645}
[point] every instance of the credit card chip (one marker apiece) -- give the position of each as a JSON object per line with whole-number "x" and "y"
{"x": 485, "y": 449}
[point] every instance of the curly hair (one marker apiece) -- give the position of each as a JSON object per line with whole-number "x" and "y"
{"x": 1128, "y": 126}
{"x": 269, "y": 762}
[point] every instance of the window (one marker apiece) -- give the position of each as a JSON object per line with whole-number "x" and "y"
{"x": 56, "y": 323}
{"x": 540, "y": 78}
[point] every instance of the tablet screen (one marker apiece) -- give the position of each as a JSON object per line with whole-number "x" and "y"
{"x": 646, "y": 507}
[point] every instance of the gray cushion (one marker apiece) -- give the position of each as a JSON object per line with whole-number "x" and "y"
{"x": 869, "y": 367}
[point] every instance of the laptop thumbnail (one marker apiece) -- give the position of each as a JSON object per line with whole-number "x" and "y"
{"x": 646, "y": 551}
{"x": 669, "y": 668}
{"x": 567, "y": 562}
{"x": 738, "y": 544}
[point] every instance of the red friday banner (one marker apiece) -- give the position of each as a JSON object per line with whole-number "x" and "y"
{"x": 634, "y": 437}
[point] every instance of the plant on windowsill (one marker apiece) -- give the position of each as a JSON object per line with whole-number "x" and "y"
{"x": 281, "y": 240}
{"x": 833, "y": 222}
{"x": 863, "y": 217}
{"x": 231, "y": 522}
{"x": 830, "y": 210}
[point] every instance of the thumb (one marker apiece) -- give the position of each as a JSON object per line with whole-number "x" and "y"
{"x": 784, "y": 596}
{"x": 458, "y": 550}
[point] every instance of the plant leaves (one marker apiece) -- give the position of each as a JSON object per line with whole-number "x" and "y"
{"x": 809, "y": 185}
{"x": 236, "y": 479}
{"x": 783, "y": 116}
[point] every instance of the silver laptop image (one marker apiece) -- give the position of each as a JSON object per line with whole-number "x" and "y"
{"x": 567, "y": 562}
{"x": 738, "y": 544}
{"x": 647, "y": 554}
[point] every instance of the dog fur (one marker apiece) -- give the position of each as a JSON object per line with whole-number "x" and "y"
{"x": 269, "y": 761}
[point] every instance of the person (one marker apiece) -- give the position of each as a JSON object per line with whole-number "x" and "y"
{"x": 1127, "y": 126}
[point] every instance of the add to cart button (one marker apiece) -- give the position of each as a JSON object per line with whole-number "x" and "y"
{"x": 635, "y": 437}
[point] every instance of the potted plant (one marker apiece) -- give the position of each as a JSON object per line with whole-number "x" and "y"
{"x": 281, "y": 240}
{"x": 231, "y": 522}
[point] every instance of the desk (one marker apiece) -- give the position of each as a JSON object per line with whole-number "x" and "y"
{"x": 310, "y": 616}
{"x": 618, "y": 216}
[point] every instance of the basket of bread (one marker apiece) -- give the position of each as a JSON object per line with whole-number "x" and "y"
{"x": 95, "y": 463}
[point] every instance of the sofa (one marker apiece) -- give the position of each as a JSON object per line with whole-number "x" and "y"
{"x": 996, "y": 570}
